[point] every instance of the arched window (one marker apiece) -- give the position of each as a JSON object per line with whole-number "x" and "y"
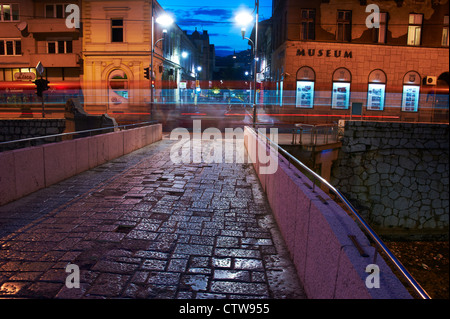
{"x": 118, "y": 87}
{"x": 411, "y": 91}
{"x": 305, "y": 87}
{"x": 340, "y": 98}
{"x": 376, "y": 92}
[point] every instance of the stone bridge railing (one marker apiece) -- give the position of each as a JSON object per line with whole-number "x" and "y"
{"x": 317, "y": 233}
{"x": 27, "y": 170}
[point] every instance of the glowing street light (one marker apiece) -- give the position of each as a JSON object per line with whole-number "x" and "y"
{"x": 184, "y": 54}
{"x": 165, "y": 21}
{"x": 244, "y": 19}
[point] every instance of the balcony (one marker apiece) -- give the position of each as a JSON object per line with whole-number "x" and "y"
{"x": 49, "y": 25}
{"x": 67, "y": 60}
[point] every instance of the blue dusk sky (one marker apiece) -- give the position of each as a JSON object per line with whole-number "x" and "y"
{"x": 216, "y": 17}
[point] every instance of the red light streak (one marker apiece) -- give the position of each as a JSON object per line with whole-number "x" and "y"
{"x": 124, "y": 113}
{"x": 317, "y": 115}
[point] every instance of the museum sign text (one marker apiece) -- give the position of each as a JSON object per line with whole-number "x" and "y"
{"x": 325, "y": 53}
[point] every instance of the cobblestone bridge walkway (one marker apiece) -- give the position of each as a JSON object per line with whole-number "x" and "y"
{"x": 143, "y": 227}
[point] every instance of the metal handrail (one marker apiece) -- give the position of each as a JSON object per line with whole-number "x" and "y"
{"x": 76, "y": 132}
{"x": 407, "y": 276}
{"x": 314, "y": 132}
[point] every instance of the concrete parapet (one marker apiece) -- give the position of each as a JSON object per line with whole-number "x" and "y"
{"x": 29, "y": 169}
{"x": 59, "y": 161}
{"x": 316, "y": 231}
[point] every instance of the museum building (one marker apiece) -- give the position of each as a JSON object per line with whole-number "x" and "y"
{"x": 329, "y": 62}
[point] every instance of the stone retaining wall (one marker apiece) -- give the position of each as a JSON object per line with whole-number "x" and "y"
{"x": 397, "y": 174}
{"x": 17, "y": 129}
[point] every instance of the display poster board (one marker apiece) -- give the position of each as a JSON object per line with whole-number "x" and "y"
{"x": 340, "y": 96}
{"x": 305, "y": 94}
{"x": 410, "y": 100}
{"x": 376, "y": 96}
{"x": 305, "y": 87}
{"x": 376, "y": 91}
{"x": 411, "y": 91}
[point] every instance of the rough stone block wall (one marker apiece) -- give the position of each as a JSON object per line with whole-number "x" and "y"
{"x": 397, "y": 174}
{"x": 25, "y": 128}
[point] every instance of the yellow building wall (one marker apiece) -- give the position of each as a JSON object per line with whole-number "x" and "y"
{"x": 103, "y": 58}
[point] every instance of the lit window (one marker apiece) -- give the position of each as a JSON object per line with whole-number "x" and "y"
{"x": 9, "y": 12}
{"x": 415, "y": 29}
{"x": 445, "y": 33}
{"x": 380, "y": 33}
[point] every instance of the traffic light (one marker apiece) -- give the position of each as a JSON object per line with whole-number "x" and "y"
{"x": 147, "y": 73}
{"x": 41, "y": 86}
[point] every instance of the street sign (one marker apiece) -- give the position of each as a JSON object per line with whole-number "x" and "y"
{"x": 24, "y": 76}
{"x": 40, "y": 68}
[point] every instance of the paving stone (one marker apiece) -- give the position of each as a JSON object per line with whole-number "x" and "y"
{"x": 240, "y": 288}
{"x": 143, "y": 227}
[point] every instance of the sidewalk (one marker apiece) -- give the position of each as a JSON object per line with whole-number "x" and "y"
{"x": 143, "y": 227}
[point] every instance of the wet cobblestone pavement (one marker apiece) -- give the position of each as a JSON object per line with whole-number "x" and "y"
{"x": 143, "y": 227}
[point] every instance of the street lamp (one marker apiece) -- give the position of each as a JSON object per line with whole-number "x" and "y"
{"x": 165, "y": 21}
{"x": 197, "y": 84}
{"x": 244, "y": 19}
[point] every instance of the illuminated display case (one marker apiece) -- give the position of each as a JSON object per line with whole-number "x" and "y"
{"x": 411, "y": 91}
{"x": 410, "y": 101}
{"x": 305, "y": 94}
{"x": 341, "y": 95}
{"x": 305, "y": 88}
{"x": 375, "y": 98}
{"x": 341, "y": 89}
{"x": 376, "y": 92}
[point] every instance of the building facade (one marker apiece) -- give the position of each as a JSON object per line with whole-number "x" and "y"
{"x": 328, "y": 62}
{"x": 116, "y": 49}
{"x": 33, "y": 32}
{"x": 181, "y": 59}
{"x": 206, "y": 54}
{"x": 102, "y": 61}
